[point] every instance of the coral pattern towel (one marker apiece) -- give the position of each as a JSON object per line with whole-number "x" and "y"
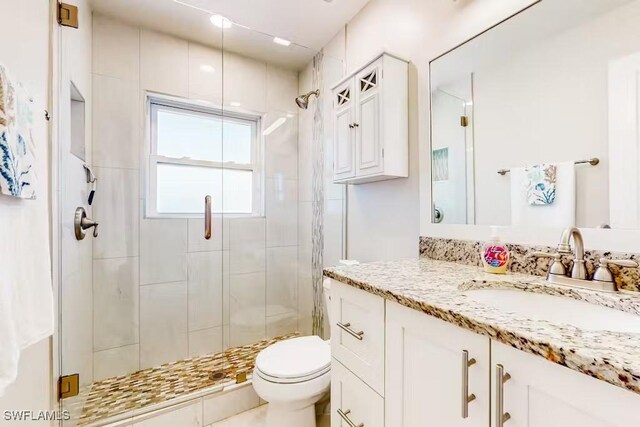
{"x": 26, "y": 295}
{"x": 560, "y": 213}
{"x": 541, "y": 184}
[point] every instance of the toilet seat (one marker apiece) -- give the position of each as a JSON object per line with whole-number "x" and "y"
{"x": 294, "y": 360}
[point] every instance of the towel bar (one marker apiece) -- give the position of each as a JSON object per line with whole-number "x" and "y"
{"x": 594, "y": 161}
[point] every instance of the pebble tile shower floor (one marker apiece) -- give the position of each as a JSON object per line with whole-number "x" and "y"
{"x": 126, "y": 393}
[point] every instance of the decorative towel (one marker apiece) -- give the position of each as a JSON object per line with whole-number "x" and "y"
{"x": 26, "y": 295}
{"x": 541, "y": 184}
{"x": 561, "y": 213}
{"x": 16, "y": 145}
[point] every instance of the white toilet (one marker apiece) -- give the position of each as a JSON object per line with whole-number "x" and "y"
{"x": 292, "y": 376}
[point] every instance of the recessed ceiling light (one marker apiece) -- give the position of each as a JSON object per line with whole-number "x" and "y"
{"x": 283, "y": 42}
{"x": 207, "y": 68}
{"x": 221, "y": 22}
{"x": 235, "y": 104}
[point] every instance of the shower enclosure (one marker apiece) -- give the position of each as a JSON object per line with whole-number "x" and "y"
{"x": 203, "y": 177}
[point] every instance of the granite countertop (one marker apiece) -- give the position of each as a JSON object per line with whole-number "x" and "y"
{"x": 437, "y": 288}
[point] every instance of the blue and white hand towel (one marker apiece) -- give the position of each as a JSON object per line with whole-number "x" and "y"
{"x": 541, "y": 184}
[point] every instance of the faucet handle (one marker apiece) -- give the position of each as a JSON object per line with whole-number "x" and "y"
{"x": 619, "y": 262}
{"x": 557, "y": 267}
{"x": 603, "y": 273}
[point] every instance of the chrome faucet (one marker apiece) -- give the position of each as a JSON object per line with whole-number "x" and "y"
{"x": 602, "y": 280}
{"x": 578, "y": 270}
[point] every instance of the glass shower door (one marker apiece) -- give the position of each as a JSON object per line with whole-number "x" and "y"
{"x": 145, "y": 135}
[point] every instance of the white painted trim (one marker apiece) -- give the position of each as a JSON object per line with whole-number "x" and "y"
{"x": 155, "y": 103}
{"x": 367, "y": 64}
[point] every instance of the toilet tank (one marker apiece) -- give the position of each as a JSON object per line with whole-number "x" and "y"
{"x": 326, "y": 288}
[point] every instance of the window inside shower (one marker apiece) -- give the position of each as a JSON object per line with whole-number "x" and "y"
{"x": 196, "y": 150}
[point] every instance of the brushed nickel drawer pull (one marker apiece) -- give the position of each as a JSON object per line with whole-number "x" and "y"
{"x": 466, "y": 397}
{"x": 345, "y": 416}
{"x": 347, "y": 328}
{"x": 501, "y": 378}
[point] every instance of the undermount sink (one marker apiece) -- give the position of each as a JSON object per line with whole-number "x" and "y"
{"x": 557, "y": 309}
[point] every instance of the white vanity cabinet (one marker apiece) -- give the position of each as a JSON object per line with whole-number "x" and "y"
{"x": 395, "y": 366}
{"x": 352, "y": 401}
{"x": 539, "y": 393}
{"x": 371, "y": 122}
{"x": 433, "y": 367}
{"x": 357, "y": 333}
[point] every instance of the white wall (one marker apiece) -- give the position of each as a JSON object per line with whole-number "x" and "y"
{"x": 170, "y": 294}
{"x": 384, "y": 218}
{"x": 25, "y": 36}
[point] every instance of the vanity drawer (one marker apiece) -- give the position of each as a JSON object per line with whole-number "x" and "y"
{"x": 357, "y": 333}
{"x": 352, "y": 399}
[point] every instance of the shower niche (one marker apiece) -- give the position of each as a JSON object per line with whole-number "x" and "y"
{"x": 371, "y": 122}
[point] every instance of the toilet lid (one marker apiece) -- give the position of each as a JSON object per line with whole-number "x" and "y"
{"x": 295, "y": 358}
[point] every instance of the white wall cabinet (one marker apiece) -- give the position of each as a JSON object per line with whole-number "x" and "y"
{"x": 371, "y": 113}
{"x": 540, "y": 393}
{"x": 433, "y": 367}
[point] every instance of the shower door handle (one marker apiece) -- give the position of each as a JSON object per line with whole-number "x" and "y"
{"x": 207, "y": 217}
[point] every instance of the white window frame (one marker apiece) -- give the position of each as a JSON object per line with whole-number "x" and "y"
{"x": 158, "y": 103}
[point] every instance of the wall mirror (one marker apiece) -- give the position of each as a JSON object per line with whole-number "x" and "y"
{"x": 536, "y": 121}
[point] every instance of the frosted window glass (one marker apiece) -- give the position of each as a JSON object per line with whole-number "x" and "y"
{"x": 198, "y": 136}
{"x": 237, "y": 142}
{"x": 182, "y": 188}
{"x": 189, "y": 135}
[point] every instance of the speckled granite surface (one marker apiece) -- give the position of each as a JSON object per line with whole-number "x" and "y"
{"x": 468, "y": 252}
{"x": 438, "y": 288}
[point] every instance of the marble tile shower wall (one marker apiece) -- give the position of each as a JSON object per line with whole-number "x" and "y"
{"x": 334, "y": 194}
{"x": 159, "y": 294}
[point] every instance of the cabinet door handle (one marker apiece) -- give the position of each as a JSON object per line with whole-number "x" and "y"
{"x": 207, "y": 217}
{"x": 351, "y": 126}
{"x": 356, "y": 125}
{"x": 345, "y": 416}
{"x": 466, "y": 397}
{"x": 501, "y": 378}
{"x": 347, "y": 328}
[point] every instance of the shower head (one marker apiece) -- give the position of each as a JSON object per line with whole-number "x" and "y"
{"x": 303, "y": 100}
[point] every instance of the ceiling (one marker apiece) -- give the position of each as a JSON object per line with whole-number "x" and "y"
{"x": 309, "y": 24}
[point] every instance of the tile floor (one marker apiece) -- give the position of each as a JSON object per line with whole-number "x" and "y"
{"x": 256, "y": 418}
{"x": 155, "y": 385}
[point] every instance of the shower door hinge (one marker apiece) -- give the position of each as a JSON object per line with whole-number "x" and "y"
{"x": 68, "y": 386}
{"x": 464, "y": 121}
{"x": 68, "y": 15}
